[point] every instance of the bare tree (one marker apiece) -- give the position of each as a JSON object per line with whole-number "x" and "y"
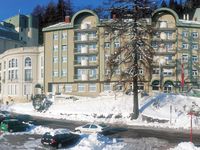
{"x": 130, "y": 24}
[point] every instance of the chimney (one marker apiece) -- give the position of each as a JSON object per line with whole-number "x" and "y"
{"x": 67, "y": 19}
{"x": 114, "y": 16}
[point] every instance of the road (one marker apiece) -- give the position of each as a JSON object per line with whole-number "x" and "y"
{"x": 125, "y": 131}
{"x": 133, "y": 135}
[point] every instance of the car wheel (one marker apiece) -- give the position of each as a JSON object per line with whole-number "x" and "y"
{"x": 78, "y": 131}
{"x": 59, "y": 145}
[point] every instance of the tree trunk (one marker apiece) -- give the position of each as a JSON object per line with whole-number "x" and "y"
{"x": 135, "y": 88}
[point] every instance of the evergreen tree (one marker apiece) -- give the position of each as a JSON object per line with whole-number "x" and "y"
{"x": 63, "y": 9}
{"x": 50, "y": 14}
{"x": 163, "y": 4}
{"x": 129, "y": 23}
{"x": 39, "y": 11}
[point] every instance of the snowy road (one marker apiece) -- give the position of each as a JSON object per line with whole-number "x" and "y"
{"x": 32, "y": 142}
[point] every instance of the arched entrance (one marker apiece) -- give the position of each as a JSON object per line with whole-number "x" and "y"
{"x": 168, "y": 86}
{"x": 155, "y": 85}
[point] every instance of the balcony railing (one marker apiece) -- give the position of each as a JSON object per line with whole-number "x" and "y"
{"x": 85, "y": 51}
{"x": 86, "y": 77}
{"x": 171, "y": 63}
{"x": 85, "y": 63}
{"x": 165, "y": 52}
{"x": 88, "y": 29}
{"x": 164, "y": 29}
{"x": 85, "y": 38}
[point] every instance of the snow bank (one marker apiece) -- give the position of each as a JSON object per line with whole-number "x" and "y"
{"x": 185, "y": 146}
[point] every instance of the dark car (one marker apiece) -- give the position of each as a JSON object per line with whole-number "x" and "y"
{"x": 13, "y": 125}
{"x": 59, "y": 138}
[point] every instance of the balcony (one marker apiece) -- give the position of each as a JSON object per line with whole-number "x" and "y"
{"x": 85, "y": 51}
{"x": 86, "y": 29}
{"x": 167, "y": 64}
{"x": 86, "y": 77}
{"x": 85, "y": 63}
{"x": 165, "y": 52}
{"x": 163, "y": 40}
{"x": 85, "y": 39}
{"x": 164, "y": 29}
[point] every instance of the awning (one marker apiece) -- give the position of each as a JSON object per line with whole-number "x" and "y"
{"x": 168, "y": 83}
{"x": 155, "y": 83}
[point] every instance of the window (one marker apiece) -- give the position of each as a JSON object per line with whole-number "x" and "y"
{"x": 107, "y": 45}
{"x": 168, "y": 46}
{"x": 169, "y": 35}
{"x": 42, "y": 73}
{"x": 55, "y": 73}
{"x": 92, "y": 47}
{"x": 92, "y": 36}
{"x": 167, "y": 72}
{"x": 55, "y": 59}
{"x": 93, "y": 73}
{"x": 81, "y": 87}
{"x": 55, "y": 36}
{"x": 156, "y": 71}
{"x": 184, "y": 57}
{"x": 154, "y": 44}
{"x": 116, "y": 45}
{"x": 195, "y": 46}
{"x": 92, "y": 87}
{"x": 119, "y": 87}
{"x": 107, "y": 56}
{"x": 64, "y": 47}
{"x": 194, "y": 72}
{"x": 27, "y": 90}
{"x": 64, "y": 35}
{"x": 28, "y": 74}
{"x": 68, "y": 88}
{"x": 64, "y": 73}
{"x": 185, "y": 46}
{"x": 163, "y": 24}
{"x": 28, "y": 62}
{"x": 194, "y": 59}
{"x": 93, "y": 58}
{"x": 185, "y": 34}
{"x": 195, "y": 35}
{"x": 140, "y": 71}
{"x": 117, "y": 71}
{"x": 107, "y": 72}
{"x": 107, "y": 87}
{"x": 55, "y": 47}
{"x": 64, "y": 59}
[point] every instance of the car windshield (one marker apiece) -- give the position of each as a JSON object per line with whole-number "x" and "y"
{"x": 59, "y": 131}
{"x": 103, "y": 125}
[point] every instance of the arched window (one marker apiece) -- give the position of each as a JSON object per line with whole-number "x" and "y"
{"x": 28, "y": 62}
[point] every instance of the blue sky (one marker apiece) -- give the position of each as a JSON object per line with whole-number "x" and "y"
{"x": 10, "y": 8}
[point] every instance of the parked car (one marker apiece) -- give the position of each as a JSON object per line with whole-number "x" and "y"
{"x": 91, "y": 128}
{"x": 59, "y": 138}
{"x": 6, "y": 113}
{"x": 13, "y": 125}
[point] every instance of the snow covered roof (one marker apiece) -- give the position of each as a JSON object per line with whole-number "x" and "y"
{"x": 60, "y": 25}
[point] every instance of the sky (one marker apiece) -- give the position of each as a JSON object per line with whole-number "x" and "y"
{"x": 10, "y": 8}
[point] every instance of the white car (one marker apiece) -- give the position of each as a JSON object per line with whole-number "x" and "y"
{"x": 91, "y": 128}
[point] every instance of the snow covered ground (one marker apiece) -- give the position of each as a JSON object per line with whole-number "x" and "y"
{"x": 116, "y": 108}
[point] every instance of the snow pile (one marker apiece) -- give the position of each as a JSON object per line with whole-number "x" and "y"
{"x": 98, "y": 142}
{"x": 114, "y": 107}
{"x": 185, "y": 146}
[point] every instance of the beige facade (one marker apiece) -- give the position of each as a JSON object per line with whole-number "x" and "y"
{"x": 76, "y": 53}
{"x": 21, "y": 69}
